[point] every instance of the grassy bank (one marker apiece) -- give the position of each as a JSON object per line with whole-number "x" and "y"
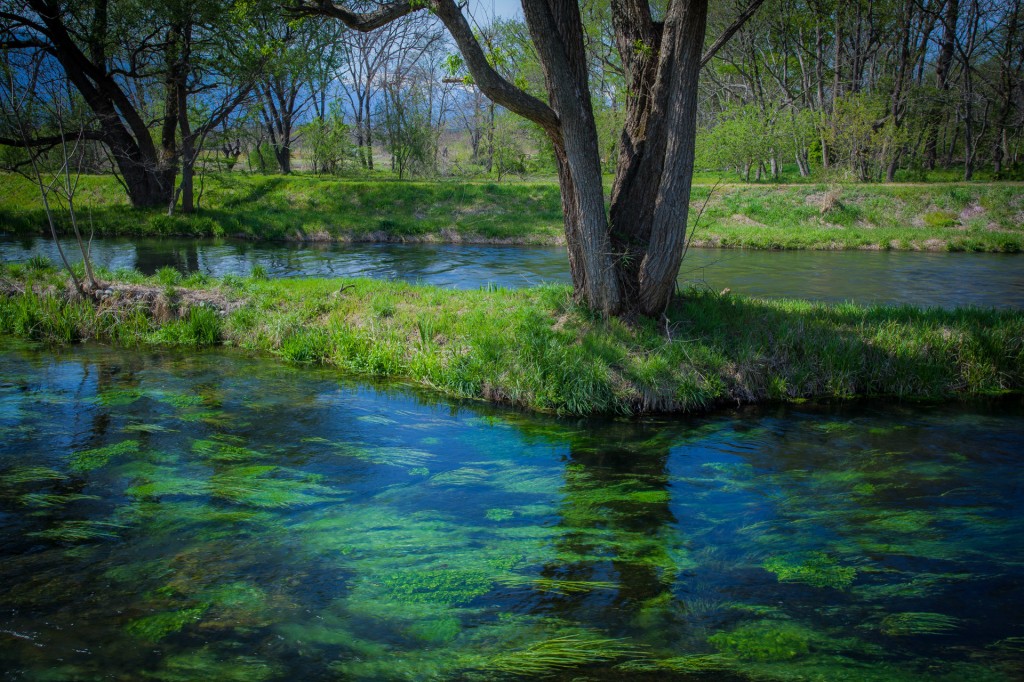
{"x": 534, "y": 348}
{"x": 957, "y": 217}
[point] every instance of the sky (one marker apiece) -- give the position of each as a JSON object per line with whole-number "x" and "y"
{"x": 507, "y": 9}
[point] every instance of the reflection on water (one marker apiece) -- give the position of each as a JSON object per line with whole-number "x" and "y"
{"x": 942, "y": 279}
{"x": 208, "y": 516}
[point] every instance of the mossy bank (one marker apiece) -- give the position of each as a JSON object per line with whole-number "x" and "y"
{"x": 534, "y": 348}
{"x": 948, "y": 216}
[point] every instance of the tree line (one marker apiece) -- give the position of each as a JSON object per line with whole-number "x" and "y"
{"x": 157, "y": 90}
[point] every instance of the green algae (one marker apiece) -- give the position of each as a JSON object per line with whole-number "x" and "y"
{"x": 118, "y": 397}
{"x": 816, "y": 569}
{"x": 209, "y": 664}
{"x": 180, "y": 400}
{"x": 765, "y": 640}
{"x": 146, "y": 428}
{"x": 255, "y": 487}
{"x": 499, "y": 514}
{"x": 51, "y": 500}
{"x": 22, "y": 475}
{"x": 154, "y": 627}
{"x": 548, "y": 656}
{"x": 79, "y": 531}
{"x": 917, "y": 623}
{"x": 411, "y": 458}
{"x": 438, "y": 586}
{"x": 556, "y": 585}
{"x": 463, "y": 476}
{"x": 219, "y": 451}
{"x": 87, "y": 460}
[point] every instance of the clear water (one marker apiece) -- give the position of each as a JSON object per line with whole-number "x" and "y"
{"x": 210, "y": 516}
{"x": 928, "y": 279}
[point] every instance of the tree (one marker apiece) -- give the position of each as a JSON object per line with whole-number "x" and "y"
{"x": 624, "y": 260}
{"x": 85, "y": 41}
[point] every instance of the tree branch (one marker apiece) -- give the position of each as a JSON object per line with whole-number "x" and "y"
{"x": 490, "y": 82}
{"x": 728, "y": 33}
{"x": 354, "y": 20}
{"x": 51, "y": 140}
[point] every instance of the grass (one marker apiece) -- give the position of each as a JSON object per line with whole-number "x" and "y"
{"x": 917, "y": 216}
{"x": 536, "y": 349}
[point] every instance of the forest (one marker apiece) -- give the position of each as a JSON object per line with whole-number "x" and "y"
{"x": 905, "y": 90}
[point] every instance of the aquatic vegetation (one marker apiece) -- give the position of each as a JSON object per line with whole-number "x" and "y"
{"x": 79, "y": 531}
{"x": 155, "y": 627}
{"x": 550, "y": 656}
{"x": 464, "y": 476}
{"x": 21, "y": 475}
{"x": 393, "y": 456}
{"x": 499, "y": 514}
{"x": 918, "y": 586}
{"x": 693, "y": 663}
{"x": 252, "y": 486}
{"x": 817, "y": 569}
{"x": 219, "y": 451}
{"x": 439, "y": 586}
{"x": 435, "y": 630}
{"x": 209, "y": 664}
{"x": 163, "y": 481}
{"x": 765, "y": 640}
{"x": 87, "y": 460}
{"x": 118, "y": 397}
{"x": 376, "y": 419}
{"x": 145, "y": 428}
{"x": 180, "y": 400}
{"x": 49, "y": 500}
{"x": 914, "y": 623}
{"x": 294, "y": 546}
{"x": 557, "y": 586}
{"x": 1010, "y": 644}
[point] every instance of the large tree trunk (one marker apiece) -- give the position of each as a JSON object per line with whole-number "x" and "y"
{"x": 627, "y": 265}
{"x": 555, "y": 28}
{"x": 148, "y": 174}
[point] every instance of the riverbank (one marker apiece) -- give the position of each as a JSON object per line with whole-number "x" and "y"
{"x": 535, "y": 349}
{"x": 934, "y": 217}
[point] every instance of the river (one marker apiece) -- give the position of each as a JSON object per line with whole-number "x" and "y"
{"x": 925, "y": 279}
{"x": 206, "y": 515}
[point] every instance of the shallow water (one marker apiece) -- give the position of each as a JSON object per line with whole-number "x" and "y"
{"x": 939, "y": 279}
{"x": 210, "y": 516}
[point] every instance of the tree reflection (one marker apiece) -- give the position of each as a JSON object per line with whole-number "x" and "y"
{"x": 617, "y": 530}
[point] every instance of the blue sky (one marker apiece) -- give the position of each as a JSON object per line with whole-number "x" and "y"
{"x": 507, "y": 9}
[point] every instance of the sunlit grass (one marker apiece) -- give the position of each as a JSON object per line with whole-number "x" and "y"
{"x": 808, "y": 215}
{"x": 536, "y": 348}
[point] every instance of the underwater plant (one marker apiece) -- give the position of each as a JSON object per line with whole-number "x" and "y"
{"x": 87, "y": 460}
{"x": 917, "y": 623}
{"x": 816, "y": 569}
{"x": 764, "y": 640}
{"x": 548, "y": 656}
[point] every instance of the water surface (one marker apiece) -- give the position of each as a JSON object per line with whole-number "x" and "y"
{"x": 939, "y": 279}
{"x": 210, "y": 516}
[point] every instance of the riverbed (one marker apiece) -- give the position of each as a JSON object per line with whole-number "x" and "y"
{"x": 206, "y": 515}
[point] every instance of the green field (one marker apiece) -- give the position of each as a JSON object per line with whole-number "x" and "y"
{"x": 535, "y": 348}
{"x": 942, "y": 216}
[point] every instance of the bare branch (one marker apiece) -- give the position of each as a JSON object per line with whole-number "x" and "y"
{"x": 51, "y": 140}
{"x": 728, "y": 33}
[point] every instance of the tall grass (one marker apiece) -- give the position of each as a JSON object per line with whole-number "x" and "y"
{"x": 535, "y": 348}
